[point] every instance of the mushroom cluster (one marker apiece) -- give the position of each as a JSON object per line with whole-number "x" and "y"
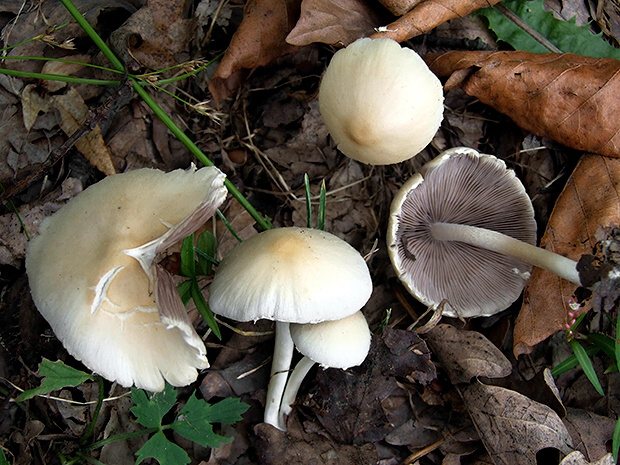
{"x": 463, "y": 229}
{"x": 380, "y": 101}
{"x": 289, "y": 275}
{"x": 94, "y": 278}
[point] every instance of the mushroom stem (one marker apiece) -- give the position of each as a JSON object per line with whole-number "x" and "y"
{"x": 282, "y": 356}
{"x": 503, "y": 244}
{"x": 292, "y": 387}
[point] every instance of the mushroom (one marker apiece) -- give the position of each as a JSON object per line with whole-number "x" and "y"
{"x": 332, "y": 344}
{"x": 289, "y": 275}
{"x": 380, "y": 101}
{"x": 93, "y": 275}
{"x": 463, "y": 229}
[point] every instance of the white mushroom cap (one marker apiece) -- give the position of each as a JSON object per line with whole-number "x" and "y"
{"x": 92, "y": 275}
{"x": 294, "y": 275}
{"x": 380, "y": 101}
{"x": 464, "y": 187}
{"x": 334, "y": 344}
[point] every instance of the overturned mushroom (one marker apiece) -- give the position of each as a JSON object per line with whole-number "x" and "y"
{"x": 463, "y": 229}
{"x": 332, "y": 344}
{"x": 380, "y": 101}
{"x": 289, "y": 275}
{"x": 93, "y": 277}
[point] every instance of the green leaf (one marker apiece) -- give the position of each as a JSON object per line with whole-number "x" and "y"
{"x": 150, "y": 411}
{"x": 308, "y": 202}
{"x": 197, "y": 416}
{"x": 615, "y": 444}
{"x": 56, "y": 375}
{"x": 565, "y": 35}
{"x": 185, "y": 291}
{"x": 162, "y": 450}
{"x": 3, "y": 459}
{"x": 205, "y": 248}
{"x": 571, "y": 362}
{"x": 188, "y": 262}
{"x": 204, "y": 309}
{"x": 603, "y": 342}
{"x": 322, "y": 206}
{"x": 586, "y": 365}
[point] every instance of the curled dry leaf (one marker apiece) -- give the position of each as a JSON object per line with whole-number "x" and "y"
{"x": 513, "y": 427}
{"x": 259, "y": 40}
{"x": 569, "y": 98}
{"x": 333, "y": 22}
{"x": 590, "y": 432}
{"x": 427, "y": 15}
{"x": 467, "y": 354}
{"x": 577, "y": 458}
{"x": 590, "y": 199}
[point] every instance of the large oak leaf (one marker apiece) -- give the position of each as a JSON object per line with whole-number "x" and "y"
{"x": 427, "y": 15}
{"x": 590, "y": 199}
{"x": 572, "y": 99}
{"x": 259, "y": 40}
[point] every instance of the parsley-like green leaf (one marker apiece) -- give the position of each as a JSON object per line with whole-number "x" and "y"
{"x": 162, "y": 450}
{"x": 56, "y": 375}
{"x": 196, "y": 418}
{"x": 150, "y": 411}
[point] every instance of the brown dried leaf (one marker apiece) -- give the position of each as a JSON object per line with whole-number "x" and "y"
{"x": 259, "y": 40}
{"x": 73, "y": 112}
{"x": 590, "y": 199}
{"x": 467, "y": 354}
{"x": 512, "y": 427}
{"x": 572, "y": 99}
{"x": 333, "y": 22}
{"x": 577, "y": 458}
{"x": 590, "y": 432}
{"x": 427, "y": 15}
{"x": 156, "y": 36}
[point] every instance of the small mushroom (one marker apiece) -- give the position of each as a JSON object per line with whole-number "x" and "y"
{"x": 93, "y": 275}
{"x": 332, "y": 344}
{"x": 380, "y": 101}
{"x": 289, "y": 275}
{"x": 463, "y": 229}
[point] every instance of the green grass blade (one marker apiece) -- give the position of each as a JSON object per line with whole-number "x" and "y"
{"x": 615, "y": 445}
{"x": 228, "y": 226}
{"x": 176, "y": 130}
{"x": 308, "y": 202}
{"x": 322, "y": 206}
{"x": 204, "y": 309}
{"x": 571, "y": 362}
{"x": 188, "y": 259}
{"x": 58, "y": 77}
{"x": 586, "y": 365}
{"x": 205, "y": 251}
{"x": 603, "y": 342}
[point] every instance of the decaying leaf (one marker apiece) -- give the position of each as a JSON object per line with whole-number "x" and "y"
{"x": 577, "y": 458}
{"x": 427, "y": 15}
{"x": 296, "y": 447}
{"x": 350, "y": 404}
{"x": 467, "y": 354}
{"x": 590, "y": 432}
{"x": 156, "y": 36}
{"x": 333, "y": 22}
{"x": 73, "y": 112}
{"x": 589, "y": 200}
{"x": 259, "y": 40}
{"x": 512, "y": 427}
{"x": 572, "y": 99}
